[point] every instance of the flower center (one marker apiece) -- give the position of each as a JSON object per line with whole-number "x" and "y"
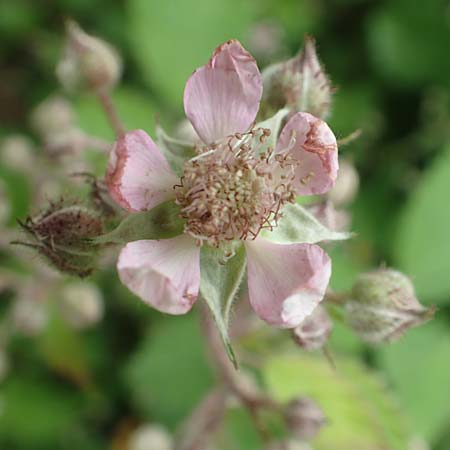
{"x": 230, "y": 192}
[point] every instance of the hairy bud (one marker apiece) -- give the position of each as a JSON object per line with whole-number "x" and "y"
{"x": 314, "y": 331}
{"x": 52, "y": 116}
{"x": 289, "y": 445}
{"x": 17, "y": 152}
{"x": 29, "y": 316}
{"x": 150, "y": 437}
{"x": 304, "y": 418}
{"x": 383, "y": 306}
{"x": 61, "y": 234}
{"x": 81, "y": 304}
{"x": 326, "y": 213}
{"x": 299, "y": 83}
{"x": 346, "y": 186}
{"x": 88, "y": 61}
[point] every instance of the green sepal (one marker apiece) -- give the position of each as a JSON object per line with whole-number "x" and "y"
{"x": 274, "y": 124}
{"x": 176, "y": 151}
{"x": 298, "y": 226}
{"x": 161, "y": 222}
{"x": 219, "y": 284}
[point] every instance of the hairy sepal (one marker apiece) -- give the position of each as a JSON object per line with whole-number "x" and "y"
{"x": 219, "y": 285}
{"x": 298, "y": 226}
{"x": 161, "y": 222}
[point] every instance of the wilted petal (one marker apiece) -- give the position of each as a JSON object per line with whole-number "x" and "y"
{"x": 311, "y": 143}
{"x": 222, "y": 97}
{"x": 163, "y": 273}
{"x": 138, "y": 175}
{"x": 286, "y": 282}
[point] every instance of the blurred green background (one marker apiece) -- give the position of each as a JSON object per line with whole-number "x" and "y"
{"x": 72, "y": 390}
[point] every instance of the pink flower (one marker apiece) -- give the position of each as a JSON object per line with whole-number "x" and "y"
{"x": 235, "y": 187}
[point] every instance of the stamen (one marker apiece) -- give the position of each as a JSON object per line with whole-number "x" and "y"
{"x": 231, "y": 192}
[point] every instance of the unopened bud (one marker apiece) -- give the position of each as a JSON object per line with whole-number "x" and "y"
{"x": 265, "y": 39}
{"x": 304, "y": 418}
{"x": 81, "y": 304}
{"x": 61, "y": 234}
{"x": 88, "y": 60}
{"x": 299, "y": 83}
{"x": 347, "y": 183}
{"x": 326, "y": 213}
{"x": 150, "y": 437}
{"x": 17, "y": 152}
{"x": 289, "y": 445}
{"x": 29, "y": 316}
{"x": 52, "y": 116}
{"x": 313, "y": 333}
{"x": 69, "y": 141}
{"x": 383, "y": 306}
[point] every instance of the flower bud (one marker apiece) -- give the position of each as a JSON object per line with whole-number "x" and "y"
{"x": 346, "y": 186}
{"x": 88, "y": 61}
{"x": 314, "y": 331}
{"x": 66, "y": 142}
{"x": 52, "y": 116}
{"x": 265, "y": 39}
{"x": 150, "y": 437}
{"x": 383, "y": 306}
{"x": 289, "y": 445}
{"x": 299, "y": 83}
{"x": 326, "y": 213}
{"x": 304, "y": 418}
{"x": 81, "y": 304}
{"x": 61, "y": 234}
{"x": 29, "y": 316}
{"x": 17, "y": 152}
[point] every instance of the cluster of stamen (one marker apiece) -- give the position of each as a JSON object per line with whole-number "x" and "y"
{"x": 234, "y": 189}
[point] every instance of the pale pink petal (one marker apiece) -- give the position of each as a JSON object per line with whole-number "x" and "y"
{"x": 138, "y": 175}
{"x": 311, "y": 143}
{"x": 286, "y": 282}
{"x": 222, "y": 97}
{"x": 163, "y": 273}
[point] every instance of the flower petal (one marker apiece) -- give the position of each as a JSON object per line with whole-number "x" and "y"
{"x": 222, "y": 97}
{"x": 163, "y": 273}
{"x": 138, "y": 175}
{"x": 311, "y": 143}
{"x": 286, "y": 282}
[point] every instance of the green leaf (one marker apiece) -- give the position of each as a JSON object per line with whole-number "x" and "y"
{"x": 422, "y": 245}
{"x": 419, "y": 367}
{"x": 161, "y": 222}
{"x": 135, "y": 109}
{"x": 175, "y": 151}
{"x": 63, "y": 350}
{"x": 238, "y": 432}
{"x": 361, "y": 414}
{"x": 36, "y": 412}
{"x": 168, "y": 374}
{"x": 394, "y": 43}
{"x": 18, "y": 191}
{"x": 219, "y": 284}
{"x": 170, "y": 39}
{"x": 298, "y": 226}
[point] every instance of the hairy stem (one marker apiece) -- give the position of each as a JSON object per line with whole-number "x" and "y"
{"x": 110, "y": 112}
{"x": 251, "y": 400}
{"x": 204, "y": 421}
